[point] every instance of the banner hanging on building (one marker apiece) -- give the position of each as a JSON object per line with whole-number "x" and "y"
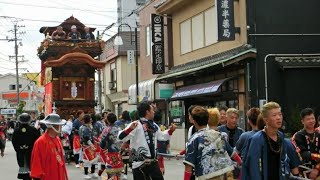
{"x": 225, "y": 11}
{"x": 157, "y": 44}
{"x": 48, "y": 98}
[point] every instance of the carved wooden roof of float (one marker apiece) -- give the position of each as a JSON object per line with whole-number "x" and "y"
{"x": 66, "y": 25}
{"x": 75, "y": 58}
{"x": 56, "y": 49}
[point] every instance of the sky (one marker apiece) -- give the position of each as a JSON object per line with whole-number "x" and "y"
{"x": 94, "y": 13}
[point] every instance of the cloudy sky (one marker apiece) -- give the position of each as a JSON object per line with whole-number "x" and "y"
{"x": 38, "y": 13}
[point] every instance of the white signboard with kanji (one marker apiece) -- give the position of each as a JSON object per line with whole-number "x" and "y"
{"x": 8, "y": 111}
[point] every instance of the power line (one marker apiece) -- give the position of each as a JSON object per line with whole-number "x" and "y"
{"x": 92, "y": 5}
{"x": 40, "y": 20}
{"x": 31, "y": 67}
{"x": 51, "y": 7}
{"x": 6, "y": 68}
{"x": 15, "y": 39}
{"x": 6, "y": 60}
{"x": 32, "y": 41}
{"x": 4, "y": 54}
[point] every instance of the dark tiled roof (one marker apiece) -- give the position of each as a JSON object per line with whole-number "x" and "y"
{"x": 299, "y": 61}
{"x": 207, "y": 61}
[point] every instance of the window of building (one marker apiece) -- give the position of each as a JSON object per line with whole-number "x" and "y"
{"x": 210, "y": 26}
{"x": 12, "y": 87}
{"x": 233, "y": 85}
{"x": 185, "y": 36}
{"x": 199, "y": 31}
{"x": 233, "y": 104}
{"x": 113, "y": 75}
{"x": 148, "y": 41}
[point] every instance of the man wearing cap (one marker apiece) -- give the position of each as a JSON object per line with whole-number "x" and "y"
{"x": 74, "y": 35}
{"x": 47, "y": 162}
{"x": 23, "y": 139}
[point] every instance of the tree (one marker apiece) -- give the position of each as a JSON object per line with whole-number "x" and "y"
{"x": 21, "y": 107}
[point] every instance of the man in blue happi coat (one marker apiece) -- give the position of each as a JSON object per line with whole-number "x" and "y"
{"x": 269, "y": 155}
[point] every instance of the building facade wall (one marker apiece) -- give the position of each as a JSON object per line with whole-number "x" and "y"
{"x": 128, "y": 73}
{"x": 182, "y": 11}
{"x": 31, "y": 103}
{"x": 146, "y": 60}
{"x": 195, "y": 8}
{"x": 300, "y": 20}
{"x": 6, "y": 81}
{"x": 125, "y": 74}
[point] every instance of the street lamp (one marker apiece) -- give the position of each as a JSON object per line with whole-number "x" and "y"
{"x": 118, "y": 41}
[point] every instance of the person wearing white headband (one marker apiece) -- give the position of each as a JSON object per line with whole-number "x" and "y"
{"x": 47, "y": 152}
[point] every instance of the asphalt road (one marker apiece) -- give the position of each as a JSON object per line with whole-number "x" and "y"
{"x": 9, "y": 168}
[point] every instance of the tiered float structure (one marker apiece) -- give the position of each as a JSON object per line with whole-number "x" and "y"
{"x": 68, "y": 70}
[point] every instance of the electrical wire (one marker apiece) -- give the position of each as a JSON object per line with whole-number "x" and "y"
{"x": 40, "y": 20}
{"x": 7, "y": 18}
{"x": 6, "y": 68}
{"x": 4, "y": 54}
{"x": 50, "y": 7}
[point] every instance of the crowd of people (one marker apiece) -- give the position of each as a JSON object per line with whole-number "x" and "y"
{"x": 90, "y": 140}
{"x": 217, "y": 148}
{"x": 227, "y": 152}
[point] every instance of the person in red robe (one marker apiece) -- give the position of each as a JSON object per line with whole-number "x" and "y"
{"x": 47, "y": 159}
{"x": 3, "y": 127}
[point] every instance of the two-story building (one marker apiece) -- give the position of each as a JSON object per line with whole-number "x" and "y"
{"x": 29, "y": 95}
{"x": 212, "y": 61}
{"x": 119, "y": 74}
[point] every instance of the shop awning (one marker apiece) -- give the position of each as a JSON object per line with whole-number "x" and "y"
{"x": 198, "y": 89}
{"x": 150, "y": 91}
{"x": 299, "y": 61}
{"x": 225, "y": 58}
{"x": 146, "y": 91}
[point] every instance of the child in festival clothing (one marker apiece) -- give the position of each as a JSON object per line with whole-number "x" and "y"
{"x": 206, "y": 150}
{"x": 110, "y": 153}
{"x": 89, "y": 150}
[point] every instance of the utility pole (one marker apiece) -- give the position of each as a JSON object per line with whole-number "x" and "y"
{"x": 16, "y": 52}
{"x": 16, "y": 56}
{"x": 137, "y": 63}
{"x": 17, "y": 70}
{"x": 99, "y": 81}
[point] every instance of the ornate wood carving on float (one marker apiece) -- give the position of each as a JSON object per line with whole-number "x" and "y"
{"x": 70, "y": 67}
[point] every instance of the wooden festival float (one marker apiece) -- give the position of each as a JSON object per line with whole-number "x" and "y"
{"x": 68, "y": 70}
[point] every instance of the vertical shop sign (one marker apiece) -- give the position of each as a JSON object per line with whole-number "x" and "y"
{"x": 226, "y": 30}
{"x": 157, "y": 44}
